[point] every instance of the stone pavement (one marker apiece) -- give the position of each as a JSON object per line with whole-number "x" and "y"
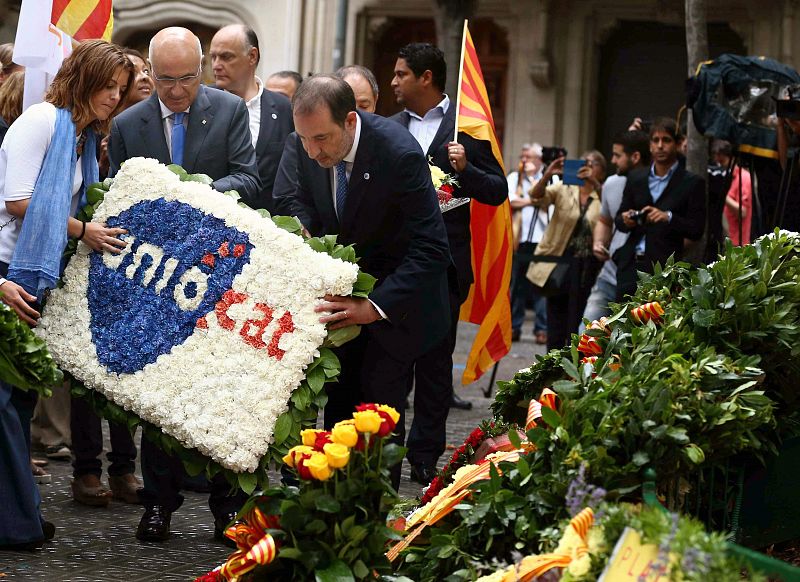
{"x": 98, "y": 544}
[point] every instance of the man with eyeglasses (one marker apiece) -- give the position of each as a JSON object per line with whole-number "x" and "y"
{"x": 206, "y": 131}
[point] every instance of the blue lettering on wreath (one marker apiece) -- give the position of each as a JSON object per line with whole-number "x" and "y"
{"x": 146, "y": 300}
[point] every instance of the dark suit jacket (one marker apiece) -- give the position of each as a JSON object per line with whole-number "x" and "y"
{"x": 392, "y": 218}
{"x": 684, "y": 196}
{"x": 218, "y": 141}
{"x": 483, "y": 179}
{"x": 285, "y": 187}
{"x": 276, "y": 125}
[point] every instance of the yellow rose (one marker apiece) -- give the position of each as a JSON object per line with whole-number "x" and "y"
{"x": 395, "y": 416}
{"x": 338, "y": 455}
{"x": 295, "y": 453}
{"x": 437, "y": 176}
{"x": 367, "y": 421}
{"x": 309, "y": 436}
{"x": 345, "y": 433}
{"x": 318, "y": 466}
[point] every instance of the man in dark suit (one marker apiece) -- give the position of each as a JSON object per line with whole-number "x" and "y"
{"x": 365, "y": 89}
{"x": 216, "y": 141}
{"x": 660, "y": 208}
{"x": 430, "y": 116}
{"x": 234, "y": 58}
{"x": 213, "y": 125}
{"x": 365, "y": 179}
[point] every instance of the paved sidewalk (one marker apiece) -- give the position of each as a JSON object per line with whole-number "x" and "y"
{"x": 98, "y": 544}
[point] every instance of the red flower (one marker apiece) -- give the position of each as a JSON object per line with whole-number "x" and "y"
{"x": 475, "y": 438}
{"x": 208, "y": 260}
{"x": 362, "y": 407}
{"x": 433, "y": 490}
{"x": 322, "y": 439}
{"x": 387, "y": 424}
{"x": 302, "y": 470}
{"x": 213, "y": 576}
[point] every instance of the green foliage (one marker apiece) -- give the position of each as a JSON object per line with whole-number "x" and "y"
{"x": 24, "y": 359}
{"x": 715, "y": 379}
{"x": 334, "y": 529}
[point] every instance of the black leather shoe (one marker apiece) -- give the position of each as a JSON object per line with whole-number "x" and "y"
{"x": 422, "y": 474}
{"x": 221, "y": 523}
{"x": 516, "y": 334}
{"x": 154, "y": 526}
{"x": 48, "y": 529}
{"x": 458, "y": 402}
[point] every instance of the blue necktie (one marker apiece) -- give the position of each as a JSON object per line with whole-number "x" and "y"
{"x": 178, "y": 138}
{"x": 341, "y": 188}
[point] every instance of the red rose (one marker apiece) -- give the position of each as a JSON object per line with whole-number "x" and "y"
{"x": 213, "y": 576}
{"x": 302, "y": 470}
{"x": 321, "y": 439}
{"x": 387, "y": 424}
{"x": 362, "y": 407}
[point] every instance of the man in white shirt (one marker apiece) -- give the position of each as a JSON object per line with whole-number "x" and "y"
{"x": 529, "y": 226}
{"x": 234, "y": 57}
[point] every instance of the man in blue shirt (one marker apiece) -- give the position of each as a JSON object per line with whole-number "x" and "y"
{"x": 660, "y": 208}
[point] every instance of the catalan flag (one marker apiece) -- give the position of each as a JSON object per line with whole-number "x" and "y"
{"x": 488, "y": 303}
{"x": 83, "y": 19}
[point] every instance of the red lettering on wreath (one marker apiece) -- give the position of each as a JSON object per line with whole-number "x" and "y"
{"x": 285, "y": 325}
{"x": 256, "y": 339}
{"x": 230, "y": 297}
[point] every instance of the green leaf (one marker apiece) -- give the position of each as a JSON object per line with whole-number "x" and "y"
{"x": 694, "y": 453}
{"x": 338, "y": 571}
{"x": 393, "y": 454}
{"x": 364, "y": 284}
{"x": 288, "y": 223}
{"x": 513, "y": 436}
{"x": 640, "y": 458}
{"x": 235, "y": 195}
{"x": 283, "y": 427}
{"x": 316, "y": 379}
{"x": 248, "y": 482}
{"x": 201, "y": 178}
{"x": 176, "y": 169}
{"x": 339, "y": 337}
{"x": 327, "y": 504}
{"x": 551, "y": 417}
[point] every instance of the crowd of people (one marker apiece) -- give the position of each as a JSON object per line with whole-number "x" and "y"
{"x": 313, "y": 148}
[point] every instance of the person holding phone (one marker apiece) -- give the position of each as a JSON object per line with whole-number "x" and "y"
{"x": 568, "y": 242}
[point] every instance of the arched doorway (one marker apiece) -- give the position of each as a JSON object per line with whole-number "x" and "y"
{"x": 642, "y": 73}
{"x": 491, "y": 44}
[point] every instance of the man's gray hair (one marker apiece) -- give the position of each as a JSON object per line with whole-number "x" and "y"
{"x": 360, "y": 71}
{"x": 536, "y": 148}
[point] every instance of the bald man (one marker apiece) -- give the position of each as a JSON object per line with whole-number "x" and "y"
{"x": 214, "y": 128}
{"x": 212, "y": 125}
{"x": 234, "y": 57}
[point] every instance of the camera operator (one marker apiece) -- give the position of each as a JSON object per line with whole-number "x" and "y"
{"x": 659, "y": 209}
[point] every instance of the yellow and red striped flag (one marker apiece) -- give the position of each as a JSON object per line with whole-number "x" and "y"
{"x": 84, "y": 19}
{"x": 488, "y": 303}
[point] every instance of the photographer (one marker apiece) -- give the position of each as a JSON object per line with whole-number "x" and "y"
{"x": 563, "y": 264}
{"x": 659, "y": 209}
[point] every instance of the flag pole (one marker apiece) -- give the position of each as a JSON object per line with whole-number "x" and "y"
{"x": 460, "y": 75}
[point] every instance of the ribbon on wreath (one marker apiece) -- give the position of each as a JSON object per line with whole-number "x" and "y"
{"x": 589, "y": 345}
{"x": 255, "y": 547}
{"x": 648, "y": 312}
{"x": 548, "y": 399}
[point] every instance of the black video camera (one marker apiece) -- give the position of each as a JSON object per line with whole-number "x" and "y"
{"x": 638, "y": 216}
{"x": 551, "y": 154}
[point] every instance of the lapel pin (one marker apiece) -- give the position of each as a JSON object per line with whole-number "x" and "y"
{"x": 274, "y": 116}
{"x": 204, "y": 122}
{"x": 366, "y": 176}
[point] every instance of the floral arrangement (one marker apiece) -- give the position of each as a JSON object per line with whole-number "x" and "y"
{"x": 462, "y": 456}
{"x": 445, "y": 185}
{"x": 24, "y": 359}
{"x": 203, "y": 329}
{"x": 697, "y": 369}
{"x": 332, "y": 526}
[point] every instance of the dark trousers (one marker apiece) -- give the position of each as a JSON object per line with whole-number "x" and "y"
{"x": 521, "y": 290}
{"x": 164, "y": 474}
{"x": 433, "y": 391}
{"x": 369, "y": 374}
{"x": 20, "y": 520}
{"x": 564, "y": 311}
{"x": 628, "y": 276}
{"x": 87, "y": 443}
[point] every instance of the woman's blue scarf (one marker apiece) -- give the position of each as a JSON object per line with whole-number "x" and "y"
{"x": 36, "y": 264}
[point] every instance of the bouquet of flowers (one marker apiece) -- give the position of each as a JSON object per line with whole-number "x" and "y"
{"x": 445, "y": 184}
{"x": 333, "y": 524}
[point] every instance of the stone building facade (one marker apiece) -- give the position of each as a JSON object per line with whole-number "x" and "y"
{"x": 560, "y": 72}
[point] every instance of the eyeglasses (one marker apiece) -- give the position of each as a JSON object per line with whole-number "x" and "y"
{"x": 184, "y": 81}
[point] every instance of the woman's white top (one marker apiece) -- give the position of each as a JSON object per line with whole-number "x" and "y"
{"x": 21, "y": 156}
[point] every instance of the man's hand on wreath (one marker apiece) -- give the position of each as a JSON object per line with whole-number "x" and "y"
{"x": 100, "y": 238}
{"x": 18, "y": 299}
{"x": 346, "y": 311}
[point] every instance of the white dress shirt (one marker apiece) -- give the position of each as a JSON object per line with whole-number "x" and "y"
{"x": 348, "y": 163}
{"x": 424, "y": 128}
{"x": 254, "y": 109}
{"x": 166, "y": 119}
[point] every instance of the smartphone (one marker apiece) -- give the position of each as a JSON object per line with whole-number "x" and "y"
{"x": 571, "y": 168}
